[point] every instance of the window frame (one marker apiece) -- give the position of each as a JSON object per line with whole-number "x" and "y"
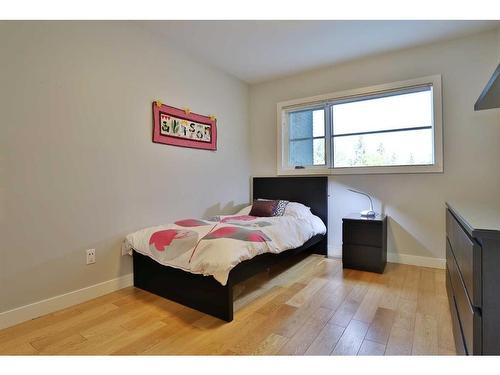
{"x": 326, "y": 100}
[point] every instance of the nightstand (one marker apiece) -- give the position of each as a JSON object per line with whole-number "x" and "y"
{"x": 364, "y": 242}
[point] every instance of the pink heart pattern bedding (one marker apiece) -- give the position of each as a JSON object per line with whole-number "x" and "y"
{"x": 214, "y": 247}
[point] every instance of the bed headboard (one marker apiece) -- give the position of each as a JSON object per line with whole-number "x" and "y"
{"x": 310, "y": 191}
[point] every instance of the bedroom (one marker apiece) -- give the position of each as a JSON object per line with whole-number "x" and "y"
{"x": 86, "y": 165}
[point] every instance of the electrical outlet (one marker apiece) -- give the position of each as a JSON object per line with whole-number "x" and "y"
{"x": 90, "y": 256}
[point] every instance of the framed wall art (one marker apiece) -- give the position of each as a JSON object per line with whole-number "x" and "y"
{"x": 181, "y": 127}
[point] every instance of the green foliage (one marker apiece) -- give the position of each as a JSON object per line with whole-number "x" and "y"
{"x": 175, "y": 126}
{"x": 361, "y": 156}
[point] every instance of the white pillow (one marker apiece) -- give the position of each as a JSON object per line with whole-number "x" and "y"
{"x": 244, "y": 210}
{"x": 297, "y": 210}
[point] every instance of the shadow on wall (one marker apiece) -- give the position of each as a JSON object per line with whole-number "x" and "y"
{"x": 403, "y": 231}
{"x": 396, "y": 234}
{"x": 218, "y": 209}
{"x": 341, "y": 203}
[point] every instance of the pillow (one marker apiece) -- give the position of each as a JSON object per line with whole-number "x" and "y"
{"x": 297, "y": 210}
{"x": 263, "y": 208}
{"x": 279, "y": 210}
{"x": 244, "y": 211}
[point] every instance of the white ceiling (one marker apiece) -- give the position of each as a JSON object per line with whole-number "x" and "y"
{"x": 256, "y": 51}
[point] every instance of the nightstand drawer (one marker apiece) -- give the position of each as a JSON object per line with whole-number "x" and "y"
{"x": 365, "y": 258}
{"x": 363, "y": 233}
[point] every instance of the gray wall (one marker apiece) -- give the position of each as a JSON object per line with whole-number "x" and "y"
{"x": 78, "y": 169}
{"x": 415, "y": 203}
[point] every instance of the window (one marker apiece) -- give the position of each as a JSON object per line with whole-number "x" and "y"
{"x": 307, "y": 137}
{"x": 394, "y": 128}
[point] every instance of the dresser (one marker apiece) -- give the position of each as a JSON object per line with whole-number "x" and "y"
{"x": 473, "y": 276}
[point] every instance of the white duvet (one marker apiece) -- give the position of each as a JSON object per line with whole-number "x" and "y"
{"x": 214, "y": 247}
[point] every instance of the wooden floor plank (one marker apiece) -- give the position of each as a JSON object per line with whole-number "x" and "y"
{"x": 369, "y": 305}
{"x": 262, "y": 331}
{"x": 56, "y": 331}
{"x": 305, "y": 294}
{"x": 108, "y": 344}
{"x": 304, "y": 337}
{"x": 326, "y": 340}
{"x": 371, "y": 348}
{"x": 280, "y": 299}
{"x": 291, "y": 324}
{"x": 446, "y": 342}
{"x": 380, "y": 328}
{"x": 425, "y": 340}
{"x": 145, "y": 342}
{"x": 333, "y": 299}
{"x": 271, "y": 345}
{"x": 101, "y": 320}
{"x": 410, "y": 284}
{"x": 400, "y": 342}
{"x": 242, "y": 340}
{"x": 345, "y": 312}
{"x": 394, "y": 278}
{"x": 426, "y": 296}
{"x": 405, "y": 314}
{"x": 351, "y": 339}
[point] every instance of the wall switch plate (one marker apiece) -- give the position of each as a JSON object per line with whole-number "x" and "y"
{"x": 90, "y": 256}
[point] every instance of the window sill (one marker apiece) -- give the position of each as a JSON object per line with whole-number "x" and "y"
{"x": 415, "y": 169}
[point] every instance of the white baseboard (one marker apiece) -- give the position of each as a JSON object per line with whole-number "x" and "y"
{"x": 415, "y": 260}
{"x": 47, "y": 306}
{"x": 412, "y": 260}
{"x": 334, "y": 252}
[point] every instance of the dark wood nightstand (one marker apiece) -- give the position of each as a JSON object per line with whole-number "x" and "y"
{"x": 364, "y": 242}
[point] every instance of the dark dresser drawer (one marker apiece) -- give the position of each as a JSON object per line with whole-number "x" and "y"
{"x": 458, "y": 335}
{"x": 467, "y": 254}
{"x": 470, "y": 319}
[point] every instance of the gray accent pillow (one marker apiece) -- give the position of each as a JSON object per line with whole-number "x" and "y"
{"x": 279, "y": 209}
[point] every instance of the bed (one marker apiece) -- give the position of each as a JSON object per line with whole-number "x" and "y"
{"x": 205, "y": 293}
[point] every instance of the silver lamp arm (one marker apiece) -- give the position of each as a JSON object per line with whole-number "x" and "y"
{"x": 367, "y": 213}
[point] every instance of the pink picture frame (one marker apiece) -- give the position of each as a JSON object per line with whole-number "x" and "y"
{"x": 177, "y": 127}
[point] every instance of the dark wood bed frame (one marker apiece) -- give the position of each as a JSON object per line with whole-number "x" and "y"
{"x": 207, "y": 295}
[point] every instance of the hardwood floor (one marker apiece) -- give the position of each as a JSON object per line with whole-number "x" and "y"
{"x": 312, "y": 307}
